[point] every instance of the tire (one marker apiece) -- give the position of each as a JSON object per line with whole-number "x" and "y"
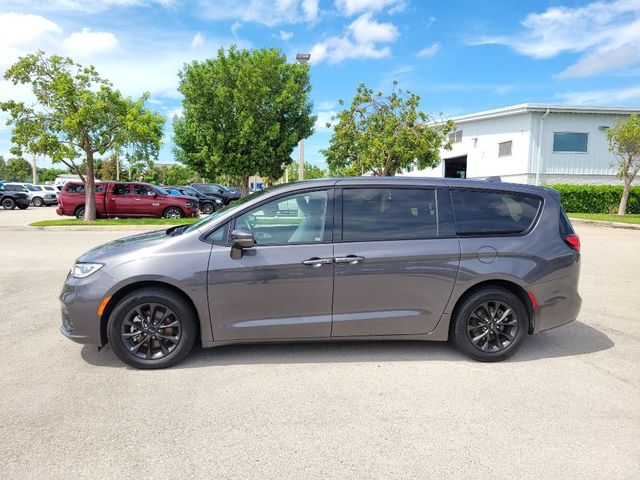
{"x": 79, "y": 213}
{"x": 8, "y": 203}
{"x": 207, "y": 208}
{"x": 37, "y": 202}
{"x": 23, "y": 207}
{"x": 173, "y": 212}
{"x": 131, "y": 315}
{"x": 496, "y": 339}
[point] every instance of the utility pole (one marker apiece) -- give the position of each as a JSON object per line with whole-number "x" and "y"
{"x": 34, "y": 169}
{"x": 117, "y": 168}
{"x": 301, "y": 58}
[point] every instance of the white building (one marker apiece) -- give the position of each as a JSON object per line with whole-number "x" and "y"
{"x": 533, "y": 143}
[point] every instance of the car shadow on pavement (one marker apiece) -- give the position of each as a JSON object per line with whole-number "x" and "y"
{"x": 576, "y": 338}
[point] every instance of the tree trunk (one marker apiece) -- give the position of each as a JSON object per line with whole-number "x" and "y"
{"x": 35, "y": 169}
{"x": 90, "y": 190}
{"x": 245, "y": 185}
{"x": 622, "y": 210}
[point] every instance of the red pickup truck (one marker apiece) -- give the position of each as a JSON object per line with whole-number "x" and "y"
{"x": 130, "y": 199}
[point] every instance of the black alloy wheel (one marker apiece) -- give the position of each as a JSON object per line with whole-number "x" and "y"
{"x": 492, "y": 326}
{"x": 151, "y": 331}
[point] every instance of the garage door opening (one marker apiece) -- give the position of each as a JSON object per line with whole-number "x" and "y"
{"x": 455, "y": 167}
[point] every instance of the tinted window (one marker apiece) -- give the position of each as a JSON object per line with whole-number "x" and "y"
{"x": 120, "y": 189}
{"x": 388, "y": 214}
{"x": 300, "y": 218}
{"x": 484, "y": 212}
{"x": 570, "y": 142}
{"x": 142, "y": 190}
{"x": 16, "y": 188}
{"x": 79, "y": 188}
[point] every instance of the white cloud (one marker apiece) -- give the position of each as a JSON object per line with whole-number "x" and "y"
{"x": 235, "y": 28}
{"x": 86, "y": 42}
{"x": 360, "y": 41}
{"x": 21, "y": 33}
{"x": 608, "y": 33}
{"x": 351, "y": 7}
{"x": 83, "y": 6}
{"x": 326, "y": 105}
{"x": 265, "y": 12}
{"x": 285, "y": 35}
{"x": 429, "y": 51}
{"x": 323, "y": 118}
{"x": 176, "y": 112}
{"x": 602, "y": 97}
{"x": 197, "y": 41}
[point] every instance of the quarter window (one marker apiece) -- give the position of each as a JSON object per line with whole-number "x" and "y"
{"x": 570, "y": 142}
{"x": 482, "y": 212}
{"x": 370, "y": 214}
{"x": 300, "y": 218}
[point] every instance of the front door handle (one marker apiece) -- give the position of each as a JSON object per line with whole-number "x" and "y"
{"x": 350, "y": 259}
{"x": 316, "y": 262}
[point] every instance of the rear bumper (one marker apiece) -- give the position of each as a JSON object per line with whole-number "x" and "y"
{"x": 558, "y": 304}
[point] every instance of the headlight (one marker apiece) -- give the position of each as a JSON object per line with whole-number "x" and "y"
{"x": 217, "y": 200}
{"x": 82, "y": 270}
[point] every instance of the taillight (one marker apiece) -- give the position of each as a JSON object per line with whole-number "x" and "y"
{"x": 572, "y": 240}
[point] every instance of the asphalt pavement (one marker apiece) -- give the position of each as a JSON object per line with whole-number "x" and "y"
{"x": 566, "y": 406}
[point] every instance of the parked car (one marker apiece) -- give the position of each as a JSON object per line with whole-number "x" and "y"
{"x": 10, "y": 199}
{"x": 131, "y": 199}
{"x": 482, "y": 264}
{"x": 225, "y": 194}
{"x": 209, "y": 202}
{"x": 33, "y": 192}
{"x": 45, "y": 195}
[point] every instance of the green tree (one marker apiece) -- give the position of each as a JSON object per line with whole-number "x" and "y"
{"x": 624, "y": 141}
{"x": 3, "y": 168}
{"x": 177, "y": 174}
{"x": 18, "y": 170}
{"x": 385, "y": 135}
{"x": 243, "y": 113}
{"x": 310, "y": 172}
{"x": 50, "y": 174}
{"x": 77, "y": 114}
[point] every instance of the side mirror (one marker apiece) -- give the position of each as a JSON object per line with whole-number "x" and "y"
{"x": 241, "y": 239}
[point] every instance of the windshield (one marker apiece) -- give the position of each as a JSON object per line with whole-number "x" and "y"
{"x": 161, "y": 190}
{"x": 233, "y": 206}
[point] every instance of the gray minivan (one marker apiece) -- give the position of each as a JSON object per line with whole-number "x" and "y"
{"x": 368, "y": 258}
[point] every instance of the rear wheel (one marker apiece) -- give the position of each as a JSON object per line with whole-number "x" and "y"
{"x": 207, "y": 208}
{"x": 80, "y": 212}
{"x": 8, "y": 204}
{"x": 173, "y": 212}
{"x": 490, "y": 324}
{"x": 152, "y": 328}
{"x": 37, "y": 202}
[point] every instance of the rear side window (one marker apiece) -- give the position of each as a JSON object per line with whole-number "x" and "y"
{"x": 565, "y": 225}
{"x": 79, "y": 188}
{"x": 480, "y": 212}
{"x": 370, "y": 214}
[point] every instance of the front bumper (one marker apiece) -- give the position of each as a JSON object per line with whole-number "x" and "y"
{"x": 80, "y": 299}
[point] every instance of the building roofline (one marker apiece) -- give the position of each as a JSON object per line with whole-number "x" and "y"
{"x": 542, "y": 107}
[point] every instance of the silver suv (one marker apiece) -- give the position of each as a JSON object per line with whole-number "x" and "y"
{"x": 482, "y": 264}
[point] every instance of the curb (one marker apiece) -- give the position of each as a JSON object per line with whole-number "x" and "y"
{"x": 87, "y": 228}
{"x": 602, "y": 223}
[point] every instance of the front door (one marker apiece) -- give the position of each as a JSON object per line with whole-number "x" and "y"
{"x": 394, "y": 271}
{"x": 145, "y": 201}
{"x": 282, "y": 287}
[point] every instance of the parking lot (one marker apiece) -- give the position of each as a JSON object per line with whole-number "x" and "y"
{"x": 566, "y": 406}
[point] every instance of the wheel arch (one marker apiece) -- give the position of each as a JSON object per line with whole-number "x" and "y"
{"x": 511, "y": 286}
{"x": 131, "y": 287}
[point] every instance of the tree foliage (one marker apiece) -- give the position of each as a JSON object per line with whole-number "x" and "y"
{"x": 310, "y": 172}
{"x": 3, "y": 168}
{"x": 624, "y": 141}
{"x": 384, "y": 135}
{"x": 18, "y": 170}
{"x": 49, "y": 174}
{"x": 77, "y": 114}
{"x": 243, "y": 113}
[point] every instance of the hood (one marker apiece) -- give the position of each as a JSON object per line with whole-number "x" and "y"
{"x": 184, "y": 198}
{"x": 123, "y": 246}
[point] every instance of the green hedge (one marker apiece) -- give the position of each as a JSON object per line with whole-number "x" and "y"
{"x": 596, "y": 198}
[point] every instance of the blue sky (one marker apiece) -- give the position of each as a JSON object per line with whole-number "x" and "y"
{"x": 460, "y": 56}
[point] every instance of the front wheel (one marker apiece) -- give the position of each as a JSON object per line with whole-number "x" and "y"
{"x": 490, "y": 325}
{"x": 152, "y": 328}
{"x": 37, "y": 202}
{"x": 207, "y": 208}
{"x": 173, "y": 212}
{"x": 8, "y": 204}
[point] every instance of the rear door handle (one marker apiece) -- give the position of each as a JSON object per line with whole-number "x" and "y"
{"x": 351, "y": 259}
{"x": 316, "y": 262}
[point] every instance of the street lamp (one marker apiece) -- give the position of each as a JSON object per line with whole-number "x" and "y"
{"x": 301, "y": 58}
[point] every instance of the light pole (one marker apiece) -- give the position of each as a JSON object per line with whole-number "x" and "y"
{"x": 301, "y": 58}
